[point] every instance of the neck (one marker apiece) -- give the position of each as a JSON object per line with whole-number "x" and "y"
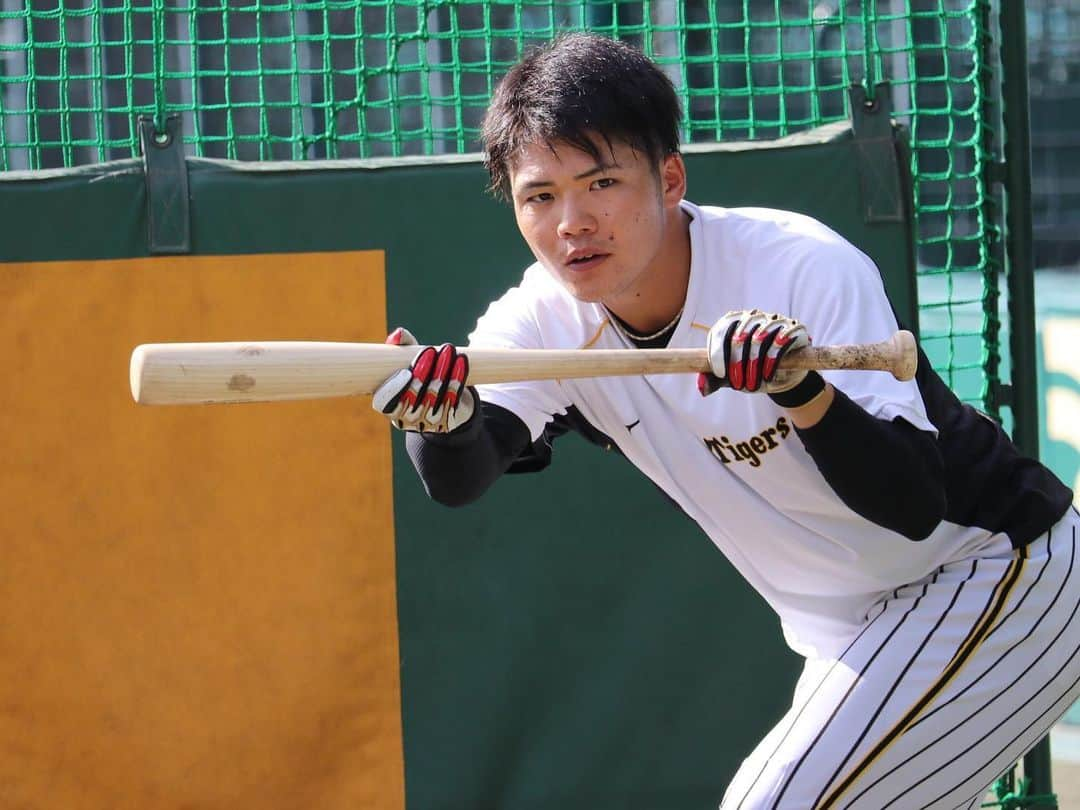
{"x": 661, "y": 292}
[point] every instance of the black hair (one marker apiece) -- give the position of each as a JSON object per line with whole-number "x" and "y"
{"x": 579, "y": 85}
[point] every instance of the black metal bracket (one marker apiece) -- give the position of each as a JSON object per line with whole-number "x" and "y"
{"x": 875, "y": 149}
{"x": 167, "y": 205}
{"x": 1001, "y": 394}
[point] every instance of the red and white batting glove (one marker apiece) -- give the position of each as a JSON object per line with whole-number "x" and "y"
{"x": 745, "y": 348}
{"x": 430, "y": 396}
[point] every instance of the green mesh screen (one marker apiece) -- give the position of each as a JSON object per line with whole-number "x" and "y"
{"x": 262, "y": 80}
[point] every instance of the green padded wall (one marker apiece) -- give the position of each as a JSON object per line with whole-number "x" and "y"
{"x": 571, "y": 641}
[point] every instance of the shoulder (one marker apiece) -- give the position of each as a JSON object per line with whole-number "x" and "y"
{"x": 768, "y": 227}
{"x": 781, "y": 245}
{"x": 539, "y": 294}
{"x": 537, "y": 313}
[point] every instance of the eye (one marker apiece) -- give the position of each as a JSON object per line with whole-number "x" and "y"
{"x": 604, "y": 182}
{"x": 542, "y": 197}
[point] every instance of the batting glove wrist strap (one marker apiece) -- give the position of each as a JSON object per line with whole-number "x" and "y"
{"x": 809, "y": 387}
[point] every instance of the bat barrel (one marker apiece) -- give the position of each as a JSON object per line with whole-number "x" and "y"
{"x": 270, "y": 371}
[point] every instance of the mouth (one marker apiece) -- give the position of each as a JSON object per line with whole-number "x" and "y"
{"x": 584, "y": 259}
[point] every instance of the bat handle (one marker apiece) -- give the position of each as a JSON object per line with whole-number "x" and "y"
{"x": 898, "y": 355}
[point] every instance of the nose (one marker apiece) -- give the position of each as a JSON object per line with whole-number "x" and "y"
{"x": 575, "y": 218}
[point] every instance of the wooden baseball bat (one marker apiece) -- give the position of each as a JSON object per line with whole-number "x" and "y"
{"x": 189, "y": 373}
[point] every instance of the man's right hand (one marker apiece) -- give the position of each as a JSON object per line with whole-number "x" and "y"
{"x": 430, "y": 396}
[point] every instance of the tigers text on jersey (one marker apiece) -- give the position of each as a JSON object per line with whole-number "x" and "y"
{"x": 733, "y": 461}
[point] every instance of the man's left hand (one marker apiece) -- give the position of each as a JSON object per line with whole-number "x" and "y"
{"x": 745, "y": 349}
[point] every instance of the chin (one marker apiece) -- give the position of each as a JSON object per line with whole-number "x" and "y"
{"x": 585, "y": 296}
{"x": 585, "y": 293}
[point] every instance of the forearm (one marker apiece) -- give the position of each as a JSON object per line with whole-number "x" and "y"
{"x": 457, "y": 468}
{"x": 889, "y": 472}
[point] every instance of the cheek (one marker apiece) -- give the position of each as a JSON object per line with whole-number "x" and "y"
{"x": 526, "y": 224}
{"x": 532, "y": 231}
{"x": 632, "y": 217}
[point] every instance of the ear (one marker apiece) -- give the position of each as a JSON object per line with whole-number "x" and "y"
{"x": 672, "y": 180}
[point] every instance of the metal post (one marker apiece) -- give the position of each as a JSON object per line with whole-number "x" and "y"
{"x": 1020, "y": 276}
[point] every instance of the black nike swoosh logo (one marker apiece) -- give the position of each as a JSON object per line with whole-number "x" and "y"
{"x": 632, "y": 426}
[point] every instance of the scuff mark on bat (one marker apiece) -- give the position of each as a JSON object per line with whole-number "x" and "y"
{"x": 251, "y": 350}
{"x": 241, "y": 382}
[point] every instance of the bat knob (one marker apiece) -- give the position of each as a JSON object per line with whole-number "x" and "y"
{"x": 905, "y": 355}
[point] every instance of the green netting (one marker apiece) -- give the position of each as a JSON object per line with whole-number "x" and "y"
{"x": 295, "y": 80}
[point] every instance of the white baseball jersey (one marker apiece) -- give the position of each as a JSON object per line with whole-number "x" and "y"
{"x": 732, "y": 461}
{"x": 931, "y": 666}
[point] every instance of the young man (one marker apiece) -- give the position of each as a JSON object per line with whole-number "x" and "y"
{"x": 936, "y": 613}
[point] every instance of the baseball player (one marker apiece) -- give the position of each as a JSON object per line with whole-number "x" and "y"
{"x": 925, "y": 570}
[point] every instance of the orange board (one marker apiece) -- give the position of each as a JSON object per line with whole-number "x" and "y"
{"x": 197, "y": 604}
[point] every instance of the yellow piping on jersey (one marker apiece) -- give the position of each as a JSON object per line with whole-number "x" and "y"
{"x": 964, "y": 653}
{"x": 596, "y": 337}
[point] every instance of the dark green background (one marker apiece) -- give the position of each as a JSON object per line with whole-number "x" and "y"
{"x": 572, "y": 641}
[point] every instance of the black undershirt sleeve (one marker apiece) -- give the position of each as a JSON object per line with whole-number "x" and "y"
{"x": 457, "y": 468}
{"x": 890, "y": 473}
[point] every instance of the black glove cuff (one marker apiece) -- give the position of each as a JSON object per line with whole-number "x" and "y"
{"x": 812, "y": 385}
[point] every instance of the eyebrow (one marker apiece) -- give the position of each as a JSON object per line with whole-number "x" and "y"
{"x": 599, "y": 168}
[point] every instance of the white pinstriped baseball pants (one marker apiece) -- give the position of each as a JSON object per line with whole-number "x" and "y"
{"x": 951, "y": 680}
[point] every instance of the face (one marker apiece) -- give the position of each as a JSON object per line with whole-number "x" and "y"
{"x": 599, "y": 228}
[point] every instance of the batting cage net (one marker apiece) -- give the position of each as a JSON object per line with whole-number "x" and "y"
{"x": 301, "y": 80}
{"x": 293, "y": 80}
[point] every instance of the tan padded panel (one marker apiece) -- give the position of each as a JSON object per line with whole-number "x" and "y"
{"x": 197, "y": 603}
